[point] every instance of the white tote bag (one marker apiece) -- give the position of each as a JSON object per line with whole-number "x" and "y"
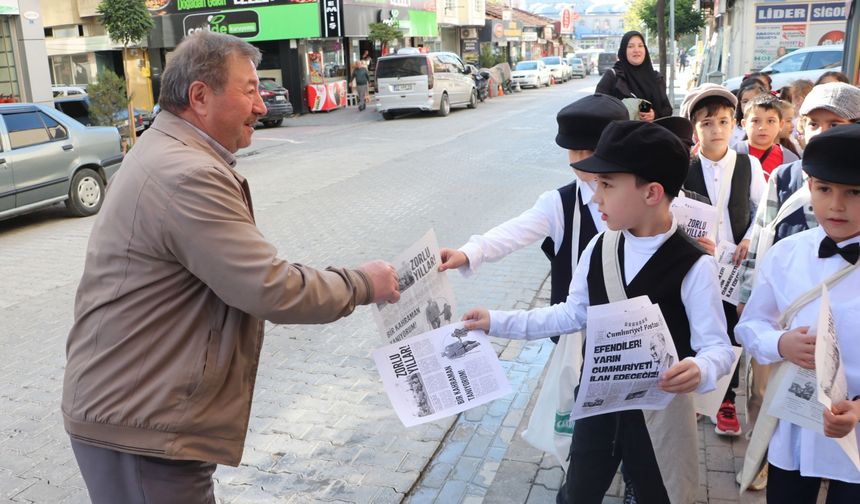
{"x": 550, "y": 428}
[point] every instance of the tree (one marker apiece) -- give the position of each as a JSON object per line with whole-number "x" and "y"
{"x": 107, "y": 99}
{"x": 128, "y": 22}
{"x": 384, "y": 32}
{"x": 687, "y": 21}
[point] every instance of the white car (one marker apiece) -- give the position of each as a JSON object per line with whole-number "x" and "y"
{"x": 532, "y": 73}
{"x": 805, "y": 63}
{"x": 558, "y": 67}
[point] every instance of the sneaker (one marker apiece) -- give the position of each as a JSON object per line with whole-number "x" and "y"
{"x": 629, "y": 496}
{"x": 727, "y": 420}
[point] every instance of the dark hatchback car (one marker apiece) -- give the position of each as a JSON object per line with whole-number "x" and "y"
{"x": 277, "y": 100}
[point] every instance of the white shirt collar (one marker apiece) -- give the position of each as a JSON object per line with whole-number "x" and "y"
{"x": 821, "y": 234}
{"x": 727, "y": 160}
{"x": 649, "y": 244}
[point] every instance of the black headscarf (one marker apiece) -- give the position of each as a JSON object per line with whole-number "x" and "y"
{"x": 641, "y": 80}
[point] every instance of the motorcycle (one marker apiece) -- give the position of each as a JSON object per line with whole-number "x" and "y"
{"x": 482, "y": 82}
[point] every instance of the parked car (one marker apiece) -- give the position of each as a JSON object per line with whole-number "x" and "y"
{"x": 436, "y": 81}
{"x": 589, "y": 58}
{"x": 531, "y": 73}
{"x": 558, "y": 68}
{"x": 68, "y": 90}
{"x": 49, "y": 157}
{"x": 577, "y": 67}
{"x": 78, "y": 107}
{"x": 277, "y": 100}
{"x": 805, "y": 63}
{"x": 605, "y": 61}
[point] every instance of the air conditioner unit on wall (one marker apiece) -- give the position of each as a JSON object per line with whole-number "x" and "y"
{"x": 468, "y": 33}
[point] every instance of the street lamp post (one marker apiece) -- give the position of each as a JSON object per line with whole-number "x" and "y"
{"x": 672, "y": 52}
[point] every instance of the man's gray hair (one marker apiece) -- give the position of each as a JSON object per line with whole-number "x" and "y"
{"x": 203, "y": 56}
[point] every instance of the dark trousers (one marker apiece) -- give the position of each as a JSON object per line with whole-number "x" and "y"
{"x": 789, "y": 486}
{"x": 731, "y": 312}
{"x": 115, "y": 477}
{"x": 600, "y": 444}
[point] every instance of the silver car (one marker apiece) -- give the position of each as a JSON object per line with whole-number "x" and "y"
{"x": 48, "y": 157}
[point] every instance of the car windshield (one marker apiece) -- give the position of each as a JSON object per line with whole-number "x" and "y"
{"x": 527, "y": 65}
{"x": 552, "y": 61}
{"x": 576, "y": 61}
{"x": 401, "y": 67}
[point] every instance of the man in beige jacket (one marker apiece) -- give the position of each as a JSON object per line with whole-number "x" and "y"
{"x": 178, "y": 280}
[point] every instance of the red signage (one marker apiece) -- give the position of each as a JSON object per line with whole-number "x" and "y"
{"x": 567, "y": 17}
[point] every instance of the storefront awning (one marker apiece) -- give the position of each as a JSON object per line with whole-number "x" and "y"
{"x": 80, "y": 45}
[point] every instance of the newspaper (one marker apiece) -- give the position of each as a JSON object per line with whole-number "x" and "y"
{"x": 709, "y": 404}
{"x": 628, "y": 346}
{"x": 440, "y": 373}
{"x": 426, "y": 299}
{"x": 804, "y": 394}
{"x": 832, "y": 386}
{"x": 730, "y": 275}
{"x": 699, "y": 220}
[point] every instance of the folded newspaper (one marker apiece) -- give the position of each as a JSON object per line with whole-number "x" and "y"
{"x": 698, "y": 219}
{"x": 440, "y": 373}
{"x": 804, "y": 394}
{"x": 426, "y": 299}
{"x": 627, "y": 347}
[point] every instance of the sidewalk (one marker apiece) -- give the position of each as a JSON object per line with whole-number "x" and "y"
{"x": 485, "y": 459}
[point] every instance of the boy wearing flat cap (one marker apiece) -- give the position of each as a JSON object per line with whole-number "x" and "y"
{"x": 732, "y": 182}
{"x": 640, "y": 167}
{"x": 785, "y": 208}
{"x": 775, "y": 328}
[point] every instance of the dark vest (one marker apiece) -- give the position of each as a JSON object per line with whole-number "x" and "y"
{"x": 561, "y": 271}
{"x": 740, "y": 211}
{"x": 660, "y": 279}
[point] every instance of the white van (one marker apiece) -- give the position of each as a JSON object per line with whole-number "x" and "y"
{"x": 434, "y": 81}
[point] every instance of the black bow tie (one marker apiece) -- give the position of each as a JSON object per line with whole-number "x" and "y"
{"x": 828, "y": 248}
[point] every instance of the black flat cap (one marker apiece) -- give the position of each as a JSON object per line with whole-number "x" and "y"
{"x": 581, "y": 123}
{"x": 832, "y": 155}
{"x": 681, "y": 127}
{"x": 640, "y": 148}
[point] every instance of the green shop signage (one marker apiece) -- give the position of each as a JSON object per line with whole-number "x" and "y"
{"x": 258, "y": 24}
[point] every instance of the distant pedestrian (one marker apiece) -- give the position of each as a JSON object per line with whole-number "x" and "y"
{"x": 682, "y": 61}
{"x": 178, "y": 280}
{"x": 633, "y": 76}
{"x": 360, "y": 79}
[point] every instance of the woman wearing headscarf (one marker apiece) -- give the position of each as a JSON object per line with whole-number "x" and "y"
{"x": 633, "y": 76}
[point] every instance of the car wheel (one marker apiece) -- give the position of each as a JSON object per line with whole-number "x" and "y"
{"x": 444, "y": 105}
{"x": 539, "y": 84}
{"x": 473, "y": 100}
{"x": 387, "y": 116}
{"x": 86, "y": 193}
{"x": 273, "y": 124}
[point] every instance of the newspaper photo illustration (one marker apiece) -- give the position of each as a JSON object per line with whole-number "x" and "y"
{"x": 440, "y": 373}
{"x": 627, "y": 348}
{"x": 426, "y": 299}
{"x": 803, "y": 394}
{"x": 698, "y": 219}
{"x": 730, "y": 274}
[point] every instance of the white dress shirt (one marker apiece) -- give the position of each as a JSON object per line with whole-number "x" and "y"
{"x": 789, "y": 269}
{"x": 700, "y": 290}
{"x": 738, "y": 136}
{"x": 712, "y": 172}
{"x": 544, "y": 219}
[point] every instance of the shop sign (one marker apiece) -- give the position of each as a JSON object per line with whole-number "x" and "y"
{"x": 792, "y": 13}
{"x": 831, "y": 11}
{"x": 498, "y": 30}
{"x": 162, "y": 7}
{"x": 243, "y": 24}
{"x": 547, "y": 32}
{"x": 9, "y": 7}
{"x": 566, "y": 20}
{"x": 331, "y": 16}
{"x": 391, "y": 16}
{"x": 530, "y": 36}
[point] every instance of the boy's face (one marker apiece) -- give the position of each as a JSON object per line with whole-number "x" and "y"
{"x": 820, "y": 120}
{"x": 837, "y": 208}
{"x": 619, "y": 201}
{"x": 762, "y": 127}
{"x": 714, "y": 132}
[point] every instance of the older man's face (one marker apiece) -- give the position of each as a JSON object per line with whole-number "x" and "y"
{"x": 234, "y": 110}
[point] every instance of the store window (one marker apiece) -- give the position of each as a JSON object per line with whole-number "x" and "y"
{"x": 9, "y": 91}
{"x": 78, "y": 69}
{"x": 325, "y": 60}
